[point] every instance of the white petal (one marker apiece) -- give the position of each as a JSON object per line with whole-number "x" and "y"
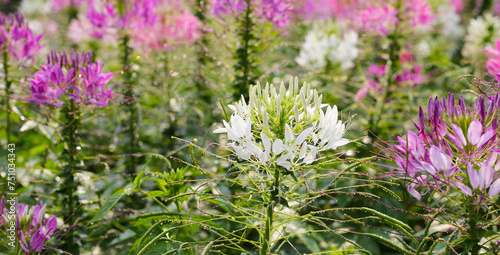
{"x": 277, "y": 146}
{"x": 243, "y": 154}
{"x": 303, "y": 151}
{"x": 220, "y": 130}
{"x": 288, "y": 134}
{"x": 266, "y": 141}
{"x": 339, "y": 142}
{"x": 311, "y": 156}
{"x": 302, "y": 137}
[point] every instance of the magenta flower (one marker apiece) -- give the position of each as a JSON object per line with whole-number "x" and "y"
{"x": 412, "y": 76}
{"x": 95, "y": 82}
{"x": 17, "y": 37}
{"x": 150, "y": 25}
{"x": 49, "y": 84}
{"x": 421, "y": 13}
{"x": 493, "y": 63}
{"x": 33, "y": 230}
{"x": 74, "y": 76}
{"x": 275, "y": 11}
{"x": 228, "y": 6}
{"x": 324, "y": 9}
{"x": 452, "y": 140}
{"x": 377, "y": 70}
{"x": 378, "y": 20}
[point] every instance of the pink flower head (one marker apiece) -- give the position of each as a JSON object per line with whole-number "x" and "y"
{"x": 324, "y": 9}
{"x": 378, "y": 20}
{"x": 75, "y": 76}
{"x": 493, "y": 63}
{"x": 377, "y": 70}
{"x": 94, "y": 81}
{"x": 421, "y": 13}
{"x": 33, "y": 230}
{"x": 18, "y": 38}
{"x": 275, "y": 11}
{"x": 102, "y": 22}
{"x": 228, "y": 6}
{"x": 413, "y": 76}
{"x": 458, "y": 5}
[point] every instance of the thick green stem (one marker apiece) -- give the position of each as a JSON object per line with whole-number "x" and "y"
{"x": 7, "y": 92}
{"x": 198, "y": 77}
{"x": 393, "y": 67}
{"x": 70, "y": 135}
{"x": 474, "y": 231}
{"x": 130, "y": 103}
{"x": 266, "y": 246}
{"x": 243, "y": 68}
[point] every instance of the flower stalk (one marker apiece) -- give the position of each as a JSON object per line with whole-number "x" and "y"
{"x": 266, "y": 240}
{"x": 8, "y": 83}
{"x": 243, "y": 68}
{"x": 129, "y": 94}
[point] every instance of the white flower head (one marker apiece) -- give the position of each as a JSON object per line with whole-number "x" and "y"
{"x": 481, "y": 33}
{"x": 321, "y": 45}
{"x": 286, "y": 127}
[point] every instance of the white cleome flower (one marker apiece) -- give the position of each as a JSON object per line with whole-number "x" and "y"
{"x": 288, "y": 128}
{"x": 481, "y": 33}
{"x": 320, "y": 46}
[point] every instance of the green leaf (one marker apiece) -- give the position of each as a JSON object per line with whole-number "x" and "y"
{"x": 387, "y": 243}
{"x": 207, "y": 248}
{"x": 112, "y": 200}
{"x": 138, "y": 179}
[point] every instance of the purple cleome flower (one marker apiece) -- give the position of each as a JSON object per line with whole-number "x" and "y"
{"x": 32, "y": 228}
{"x": 456, "y": 146}
{"x": 17, "y": 38}
{"x": 275, "y": 11}
{"x": 151, "y": 25}
{"x": 76, "y": 75}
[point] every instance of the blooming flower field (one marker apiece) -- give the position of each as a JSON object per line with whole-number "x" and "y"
{"x": 250, "y": 127}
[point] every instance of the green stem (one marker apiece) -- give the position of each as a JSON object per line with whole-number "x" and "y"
{"x": 7, "y": 92}
{"x": 393, "y": 67}
{"x": 129, "y": 93}
{"x": 473, "y": 231}
{"x": 198, "y": 77}
{"x": 72, "y": 143}
{"x": 243, "y": 68}
{"x": 266, "y": 247}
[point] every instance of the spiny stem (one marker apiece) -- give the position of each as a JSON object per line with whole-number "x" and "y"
{"x": 393, "y": 67}
{"x": 473, "y": 231}
{"x": 266, "y": 247}
{"x": 7, "y": 91}
{"x": 129, "y": 93}
{"x": 243, "y": 68}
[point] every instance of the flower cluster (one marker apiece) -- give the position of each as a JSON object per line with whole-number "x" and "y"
{"x": 32, "y": 228}
{"x": 373, "y": 17}
{"x": 454, "y": 150}
{"x": 376, "y": 77}
{"x": 17, "y": 38}
{"x": 287, "y": 128}
{"x": 275, "y": 11}
{"x": 320, "y": 47}
{"x": 151, "y": 25}
{"x": 75, "y": 75}
{"x": 480, "y": 34}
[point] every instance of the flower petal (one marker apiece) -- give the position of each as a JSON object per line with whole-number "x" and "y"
{"x": 474, "y": 132}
